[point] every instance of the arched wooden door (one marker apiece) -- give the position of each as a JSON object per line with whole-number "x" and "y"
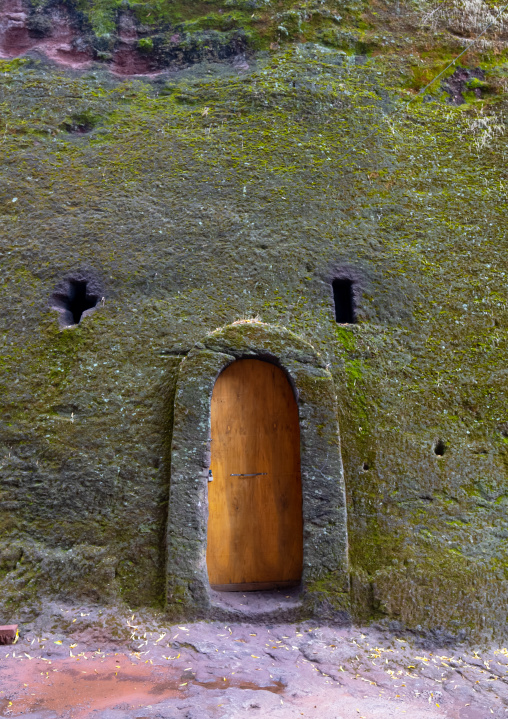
{"x": 255, "y": 493}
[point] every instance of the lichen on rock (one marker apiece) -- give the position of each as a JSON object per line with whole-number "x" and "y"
{"x": 233, "y": 185}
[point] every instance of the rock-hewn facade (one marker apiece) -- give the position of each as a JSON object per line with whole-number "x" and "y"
{"x": 234, "y": 186}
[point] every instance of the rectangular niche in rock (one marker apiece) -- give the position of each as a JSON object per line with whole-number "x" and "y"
{"x": 343, "y": 298}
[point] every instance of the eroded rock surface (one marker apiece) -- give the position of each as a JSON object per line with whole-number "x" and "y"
{"x": 109, "y": 665}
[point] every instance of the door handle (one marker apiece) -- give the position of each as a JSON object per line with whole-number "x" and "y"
{"x": 253, "y": 474}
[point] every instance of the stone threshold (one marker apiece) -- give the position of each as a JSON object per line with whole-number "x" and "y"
{"x": 257, "y": 606}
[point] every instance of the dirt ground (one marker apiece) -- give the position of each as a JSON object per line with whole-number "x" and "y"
{"x": 83, "y": 662}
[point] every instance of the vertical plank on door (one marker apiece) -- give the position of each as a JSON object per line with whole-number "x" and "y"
{"x": 254, "y": 522}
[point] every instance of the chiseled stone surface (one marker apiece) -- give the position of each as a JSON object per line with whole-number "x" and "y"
{"x": 236, "y": 184}
{"x": 324, "y": 502}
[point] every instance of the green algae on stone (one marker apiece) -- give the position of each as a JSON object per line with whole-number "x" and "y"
{"x": 230, "y": 198}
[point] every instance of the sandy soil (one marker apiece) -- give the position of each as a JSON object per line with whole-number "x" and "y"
{"x": 115, "y": 666}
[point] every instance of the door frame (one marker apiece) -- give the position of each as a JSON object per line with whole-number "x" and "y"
{"x": 325, "y": 553}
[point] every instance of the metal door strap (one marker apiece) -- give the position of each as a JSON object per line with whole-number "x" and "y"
{"x": 254, "y": 474}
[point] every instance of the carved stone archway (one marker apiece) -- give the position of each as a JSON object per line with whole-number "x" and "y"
{"x": 324, "y": 590}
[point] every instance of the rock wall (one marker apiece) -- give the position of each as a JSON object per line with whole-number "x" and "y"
{"x": 217, "y": 192}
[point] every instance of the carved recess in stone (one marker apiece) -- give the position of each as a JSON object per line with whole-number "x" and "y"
{"x": 325, "y": 559}
{"x": 75, "y": 297}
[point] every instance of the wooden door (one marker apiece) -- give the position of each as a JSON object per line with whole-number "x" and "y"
{"x": 255, "y": 496}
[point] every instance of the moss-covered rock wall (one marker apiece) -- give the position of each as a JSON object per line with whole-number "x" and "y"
{"x": 220, "y": 191}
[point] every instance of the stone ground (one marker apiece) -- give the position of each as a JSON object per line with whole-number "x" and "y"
{"x": 105, "y": 664}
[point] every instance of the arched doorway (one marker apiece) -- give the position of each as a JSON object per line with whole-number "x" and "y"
{"x": 322, "y": 481}
{"x": 254, "y": 537}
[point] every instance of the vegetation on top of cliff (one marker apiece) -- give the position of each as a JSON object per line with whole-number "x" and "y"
{"x": 415, "y": 40}
{"x": 269, "y": 20}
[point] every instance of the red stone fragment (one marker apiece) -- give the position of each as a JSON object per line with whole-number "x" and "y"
{"x": 8, "y": 633}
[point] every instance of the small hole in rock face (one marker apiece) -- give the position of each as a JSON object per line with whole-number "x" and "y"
{"x": 81, "y": 122}
{"x": 503, "y": 428}
{"x": 439, "y": 448}
{"x": 344, "y": 301}
{"x": 365, "y": 466}
{"x": 76, "y": 299}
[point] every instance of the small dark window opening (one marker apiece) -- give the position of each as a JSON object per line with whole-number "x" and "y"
{"x": 439, "y": 448}
{"x": 344, "y": 301}
{"x": 75, "y": 301}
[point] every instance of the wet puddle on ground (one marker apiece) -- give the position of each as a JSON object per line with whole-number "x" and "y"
{"x": 98, "y": 685}
{"x": 275, "y": 688}
{"x": 102, "y": 684}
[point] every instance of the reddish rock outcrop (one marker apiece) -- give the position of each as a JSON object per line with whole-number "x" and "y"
{"x": 52, "y": 34}
{"x": 127, "y": 59}
{"x": 8, "y": 633}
